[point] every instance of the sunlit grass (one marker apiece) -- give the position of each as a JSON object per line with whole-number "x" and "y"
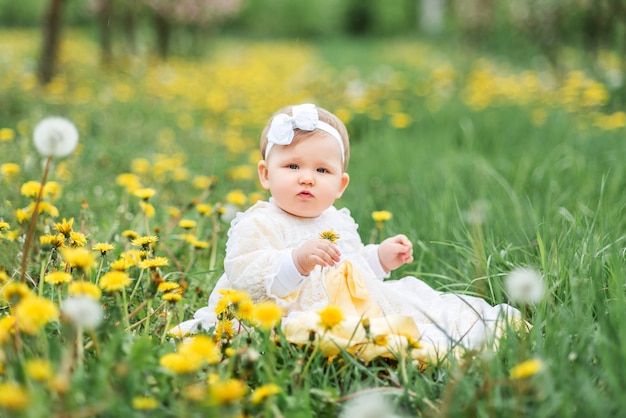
{"x": 486, "y": 167}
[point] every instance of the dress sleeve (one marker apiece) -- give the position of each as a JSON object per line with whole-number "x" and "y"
{"x": 370, "y": 252}
{"x": 255, "y": 255}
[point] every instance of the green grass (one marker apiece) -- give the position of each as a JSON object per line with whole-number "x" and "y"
{"x": 552, "y": 196}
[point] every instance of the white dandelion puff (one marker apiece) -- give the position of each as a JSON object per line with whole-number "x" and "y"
{"x": 371, "y": 405}
{"x": 525, "y": 286}
{"x": 82, "y": 311}
{"x": 55, "y": 137}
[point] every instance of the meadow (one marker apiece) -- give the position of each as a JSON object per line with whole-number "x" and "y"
{"x": 487, "y": 164}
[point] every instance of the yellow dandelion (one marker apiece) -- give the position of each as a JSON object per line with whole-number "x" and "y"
{"x": 200, "y": 245}
{"x": 82, "y": 288}
{"x": 204, "y": 209}
{"x": 227, "y": 391}
{"x": 30, "y": 189}
{"x": 145, "y": 242}
{"x": 58, "y": 277}
{"x": 140, "y": 165}
{"x": 526, "y": 369}
{"x": 202, "y": 346}
{"x": 4, "y": 277}
{"x": 114, "y": 280}
{"x": 7, "y": 328}
{"x": 145, "y": 403}
{"x": 244, "y": 310}
{"x": 330, "y": 235}
{"x": 77, "y": 239}
{"x": 203, "y": 182}
{"x": 330, "y": 316}
{"x": 236, "y": 197}
{"x": 263, "y": 392}
{"x": 7, "y": 134}
{"x": 381, "y": 215}
{"x": 155, "y": 262}
{"x": 171, "y": 297}
{"x": 181, "y": 363}
{"x": 34, "y": 312}
{"x": 4, "y": 226}
{"x": 44, "y": 207}
{"x": 267, "y": 314}
{"x": 55, "y": 241}
{"x": 130, "y": 234}
{"x": 187, "y": 223}
{"x": 167, "y": 286}
{"x": 64, "y": 227}
{"x": 9, "y": 171}
{"x": 14, "y": 292}
{"x": 38, "y": 369}
{"x": 147, "y": 209}
{"x": 103, "y": 247}
{"x": 224, "y": 329}
{"x": 13, "y": 397}
{"x": 381, "y": 340}
{"x": 121, "y": 264}
{"x": 145, "y": 193}
{"x": 78, "y": 257}
{"x": 52, "y": 190}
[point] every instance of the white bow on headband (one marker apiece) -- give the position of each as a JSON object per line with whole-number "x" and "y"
{"x": 304, "y": 117}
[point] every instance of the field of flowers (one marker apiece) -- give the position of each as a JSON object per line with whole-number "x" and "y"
{"x": 493, "y": 170}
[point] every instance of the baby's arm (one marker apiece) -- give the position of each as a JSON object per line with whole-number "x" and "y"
{"x": 315, "y": 252}
{"x": 394, "y": 252}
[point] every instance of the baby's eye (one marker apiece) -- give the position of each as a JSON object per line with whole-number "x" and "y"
{"x": 322, "y": 170}
{"x": 293, "y": 166}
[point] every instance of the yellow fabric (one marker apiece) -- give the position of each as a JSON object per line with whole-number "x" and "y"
{"x": 346, "y": 288}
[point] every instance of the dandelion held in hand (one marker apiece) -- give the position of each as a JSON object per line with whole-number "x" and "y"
{"x": 330, "y": 235}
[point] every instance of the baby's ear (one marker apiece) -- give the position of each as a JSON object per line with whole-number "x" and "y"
{"x": 345, "y": 180}
{"x": 263, "y": 174}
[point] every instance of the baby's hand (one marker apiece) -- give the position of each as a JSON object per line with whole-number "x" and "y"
{"x": 315, "y": 252}
{"x": 394, "y": 252}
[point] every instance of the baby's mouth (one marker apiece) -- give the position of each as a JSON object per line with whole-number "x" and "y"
{"x": 305, "y": 194}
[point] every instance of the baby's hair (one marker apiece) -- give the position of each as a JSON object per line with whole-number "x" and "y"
{"x": 325, "y": 116}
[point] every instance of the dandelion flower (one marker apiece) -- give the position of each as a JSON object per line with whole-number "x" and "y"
{"x": 228, "y": 391}
{"x": 200, "y": 245}
{"x": 204, "y": 209}
{"x": 330, "y": 316}
{"x": 181, "y": 363}
{"x": 267, "y": 314}
{"x": 4, "y": 277}
{"x": 145, "y": 403}
{"x": 7, "y": 134}
{"x": 263, "y": 392}
{"x": 236, "y": 197}
{"x": 13, "y": 397}
{"x": 9, "y": 170}
{"x": 38, "y": 369}
{"x": 381, "y": 340}
{"x": 330, "y": 235}
{"x": 171, "y": 297}
{"x": 525, "y": 286}
{"x": 58, "y": 277}
{"x": 7, "y": 327}
{"x": 30, "y": 189}
{"x": 526, "y": 369}
{"x": 78, "y": 257}
{"x": 103, "y": 247}
{"x": 202, "y": 346}
{"x": 33, "y": 312}
{"x": 147, "y": 209}
{"x": 381, "y": 215}
{"x": 145, "y": 241}
{"x": 82, "y": 311}
{"x": 55, "y": 137}
{"x": 82, "y": 288}
{"x": 187, "y": 223}
{"x": 167, "y": 286}
{"x": 14, "y": 292}
{"x": 56, "y": 241}
{"x": 145, "y": 193}
{"x": 114, "y": 280}
{"x": 154, "y": 263}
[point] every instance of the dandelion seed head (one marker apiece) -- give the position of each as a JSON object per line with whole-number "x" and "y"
{"x": 55, "y": 137}
{"x": 82, "y": 311}
{"x": 525, "y": 286}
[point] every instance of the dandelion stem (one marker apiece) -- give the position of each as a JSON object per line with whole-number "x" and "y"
{"x": 125, "y": 307}
{"x": 168, "y": 318}
{"x": 33, "y": 221}
{"x": 132, "y": 294}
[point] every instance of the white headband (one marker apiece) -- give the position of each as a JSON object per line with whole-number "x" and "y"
{"x": 304, "y": 117}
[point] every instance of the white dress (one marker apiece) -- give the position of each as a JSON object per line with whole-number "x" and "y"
{"x": 261, "y": 238}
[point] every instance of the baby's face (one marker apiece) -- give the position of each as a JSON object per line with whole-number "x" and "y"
{"x": 306, "y": 176}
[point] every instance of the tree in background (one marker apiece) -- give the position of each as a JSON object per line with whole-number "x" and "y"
{"x": 51, "y": 37}
{"x": 197, "y": 14}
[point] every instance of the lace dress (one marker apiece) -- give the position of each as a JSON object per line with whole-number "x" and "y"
{"x": 263, "y": 235}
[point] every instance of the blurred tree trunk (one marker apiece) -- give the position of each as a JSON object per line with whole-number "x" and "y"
{"x": 431, "y": 13}
{"x": 51, "y": 40}
{"x": 162, "y": 26}
{"x": 104, "y": 17}
{"x": 128, "y": 22}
